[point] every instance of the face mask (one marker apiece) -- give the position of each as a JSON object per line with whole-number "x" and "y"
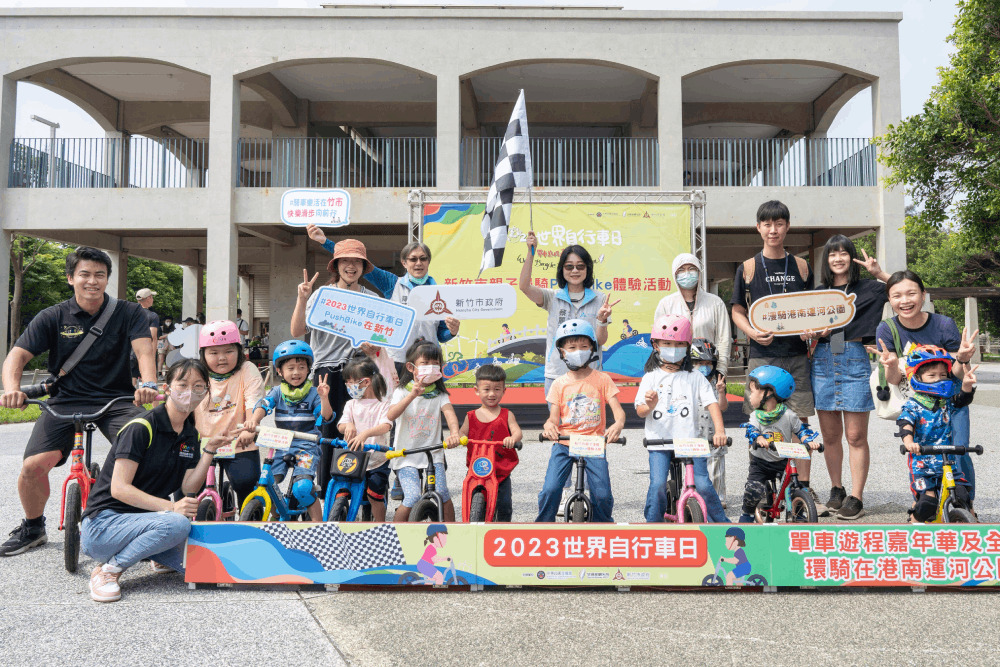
{"x": 428, "y": 374}
{"x": 419, "y": 281}
{"x": 577, "y": 359}
{"x": 357, "y": 391}
{"x": 672, "y": 355}
{"x": 167, "y": 323}
{"x": 705, "y": 370}
{"x": 688, "y": 279}
{"x": 185, "y": 401}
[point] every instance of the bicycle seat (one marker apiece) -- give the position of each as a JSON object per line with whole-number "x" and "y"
{"x": 289, "y": 458}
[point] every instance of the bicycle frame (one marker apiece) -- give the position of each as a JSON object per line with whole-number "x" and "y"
{"x": 482, "y": 475}
{"x": 579, "y": 465}
{"x": 945, "y": 490}
{"x": 79, "y": 470}
{"x": 430, "y": 477}
{"x": 267, "y": 490}
{"x": 783, "y": 494}
{"x": 689, "y": 491}
{"x": 356, "y": 487}
{"x": 211, "y": 490}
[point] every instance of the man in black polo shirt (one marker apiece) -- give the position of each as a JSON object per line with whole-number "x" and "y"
{"x": 101, "y": 375}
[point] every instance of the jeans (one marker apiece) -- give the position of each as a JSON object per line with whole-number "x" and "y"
{"x": 960, "y": 431}
{"x": 124, "y": 539}
{"x": 656, "y": 496}
{"x": 505, "y": 502}
{"x": 243, "y": 471}
{"x": 560, "y": 466}
{"x": 569, "y": 480}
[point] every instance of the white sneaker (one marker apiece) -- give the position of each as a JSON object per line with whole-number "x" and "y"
{"x": 566, "y": 492}
{"x": 158, "y": 568}
{"x": 104, "y": 583}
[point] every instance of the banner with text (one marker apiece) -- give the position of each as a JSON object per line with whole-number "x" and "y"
{"x": 632, "y": 246}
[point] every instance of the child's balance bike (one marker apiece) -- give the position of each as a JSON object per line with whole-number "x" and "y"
{"x": 719, "y": 578}
{"x": 947, "y": 509}
{"x": 479, "y": 490}
{"x": 689, "y": 504}
{"x": 82, "y": 472}
{"x": 578, "y": 508}
{"x": 429, "y": 507}
{"x": 346, "y": 494}
{"x": 790, "y": 498}
{"x": 217, "y": 501}
{"x": 267, "y": 500}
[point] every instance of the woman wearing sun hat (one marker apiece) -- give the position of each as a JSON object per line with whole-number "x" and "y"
{"x": 349, "y": 263}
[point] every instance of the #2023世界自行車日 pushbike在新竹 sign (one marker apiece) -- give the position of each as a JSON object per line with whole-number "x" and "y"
{"x": 798, "y": 312}
{"x": 324, "y": 208}
{"x": 360, "y": 317}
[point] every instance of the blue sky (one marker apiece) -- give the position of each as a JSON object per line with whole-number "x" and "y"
{"x": 926, "y": 24}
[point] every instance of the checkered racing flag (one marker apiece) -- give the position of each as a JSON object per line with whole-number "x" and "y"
{"x": 513, "y": 170}
{"x": 335, "y": 550}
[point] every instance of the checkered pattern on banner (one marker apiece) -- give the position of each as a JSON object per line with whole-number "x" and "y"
{"x": 335, "y": 550}
{"x": 513, "y": 169}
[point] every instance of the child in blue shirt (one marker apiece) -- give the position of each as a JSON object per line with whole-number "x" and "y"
{"x": 297, "y": 406}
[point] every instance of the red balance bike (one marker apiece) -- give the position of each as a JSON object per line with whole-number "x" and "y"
{"x": 790, "y": 497}
{"x": 82, "y": 473}
{"x": 479, "y": 490}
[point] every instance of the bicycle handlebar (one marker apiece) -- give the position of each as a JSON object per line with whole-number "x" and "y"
{"x": 333, "y": 442}
{"x": 37, "y": 390}
{"x": 396, "y": 453}
{"x": 774, "y": 449}
{"x": 656, "y": 442}
{"x": 495, "y": 443}
{"x": 542, "y": 438}
{"x": 960, "y": 450}
{"x": 77, "y": 416}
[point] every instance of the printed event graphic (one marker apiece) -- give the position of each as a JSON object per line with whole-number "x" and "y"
{"x": 609, "y": 232}
{"x": 590, "y": 554}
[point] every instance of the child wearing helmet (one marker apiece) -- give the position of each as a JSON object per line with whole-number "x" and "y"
{"x": 235, "y": 386}
{"x": 437, "y": 537}
{"x": 297, "y": 406}
{"x": 704, "y": 357}
{"x": 577, "y": 405}
{"x": 671, "y": 400}
{"x": 771, "y": 421}
{"x": 926, "y": 420}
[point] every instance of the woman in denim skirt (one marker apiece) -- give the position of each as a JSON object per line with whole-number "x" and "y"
{"x": 841, "y": 370}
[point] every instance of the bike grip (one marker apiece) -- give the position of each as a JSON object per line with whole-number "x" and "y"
{"x": 656, "y": 442}
{"x": 978, "y": 449}
{"x": 36, "y": 390}
{"x": 821, "y": 448}
{"x": 902, "y": 449}
{"x": 729, "y": 442}
{"x": 517, "y": 445}
{"x": 619, "y": 441}
{"x": 393, "y": 454}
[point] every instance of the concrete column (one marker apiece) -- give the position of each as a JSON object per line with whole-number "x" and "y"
{"x": 286, "y": 274}
{"x": 223, "y": 239}
{"x": 449, "y": 130}
{"x": 117, "y": 286}
{"x": 291, "y": 163}
{"x": 886, "y": 110}
{"x": 8, "y": 110}
{"x": 972, "y": 324}
{"x": 191, "y": 299}
{"x": 669, "y": 129}
{"x": 116, "y": 158}
{"x": 245, "y": 302}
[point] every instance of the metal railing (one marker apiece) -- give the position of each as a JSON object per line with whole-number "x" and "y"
{"x": 132, "y": 162}
{"x": 611, "y": 162}
{"x": 340, "y": 162}
{"x": 779, "y": 162}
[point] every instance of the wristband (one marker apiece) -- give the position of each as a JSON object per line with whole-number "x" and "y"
{"x": 603, "y": 324}
{"x": 148, "y": 385}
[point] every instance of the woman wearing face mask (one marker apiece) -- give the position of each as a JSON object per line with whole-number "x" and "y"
{"x": 332, "y": 352}
{"x": 129, "y": 515}
{"x": 162, "y": 346}
{"x": 709, "y": 320}
{"x": 416, "y": 259}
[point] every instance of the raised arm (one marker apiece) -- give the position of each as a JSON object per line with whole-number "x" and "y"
{"x": 524, "y": 280}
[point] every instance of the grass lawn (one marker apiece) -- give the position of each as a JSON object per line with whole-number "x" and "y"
{"x": 15, "y": 416}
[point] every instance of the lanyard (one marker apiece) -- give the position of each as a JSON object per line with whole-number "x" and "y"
{"x": 784, "y": 284}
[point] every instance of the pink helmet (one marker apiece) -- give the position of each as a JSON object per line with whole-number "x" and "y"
{"x": 219, "y": 332}
{"x": 671, "y": 327}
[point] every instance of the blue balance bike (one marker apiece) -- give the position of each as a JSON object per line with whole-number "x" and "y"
{"x": 267, "y": 499}
{"x": 346, "y": 494}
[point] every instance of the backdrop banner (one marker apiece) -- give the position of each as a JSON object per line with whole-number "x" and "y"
{"x": 561, "y": 554}
{"x": 632, "y": 245}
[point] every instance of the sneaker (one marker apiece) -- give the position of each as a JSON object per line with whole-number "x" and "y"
{"x": 746, "y": 518}
{"x": 821, "y": 509}
{"x": 396, "y": 493}
{"x": 159, "y": 568}
{"x": 562, "y": 501}
{"x": 837, "y": 495}
{"x": 851, "y": 509}
{"x": 104, "y": 583}
{"x": 22, "y": 538}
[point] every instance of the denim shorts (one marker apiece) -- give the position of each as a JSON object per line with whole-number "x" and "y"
{"x": 840, "y": 382}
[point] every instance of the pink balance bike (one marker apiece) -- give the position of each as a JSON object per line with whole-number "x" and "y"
{"x": 690, "y": 506}
{"x": 217, "y": 502}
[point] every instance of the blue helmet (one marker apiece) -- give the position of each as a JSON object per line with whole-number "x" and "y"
{"x": 928, "y": 354}
{"x": 737, "y": 533}
{"x": 776, "y": 379}
{"x": 304, "y": 492}
{"x": 291, "y": 349}
{"x": 575, "y": 328}
{"x": 436, "y": 528}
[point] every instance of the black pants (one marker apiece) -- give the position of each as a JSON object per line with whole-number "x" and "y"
{"x": 338, "y": 397}
{"x": 50, "y": 434}
{"x": 760, "y": 473}
{"x": 242, "y": 471}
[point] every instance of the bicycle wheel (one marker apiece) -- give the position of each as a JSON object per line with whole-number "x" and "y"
{"x": 756, "y": 580}
{"x": 206, "y": 510}
{"x": 71, "y": 526}
{"x": 578, "y": 512}
{"x": 253, "y": 511}
{"x": 477, "y": 507}
{"x": 959, "y": 515}
{"x": 803, "y": 509}
{"x": 458, "y": 581}
{"x": 408, "y": 579}
{"x": 712, "y": 580}
{"x": 425, "y": 510}
{"x": 338, "y": 511}
{"x": 692, "y": 512}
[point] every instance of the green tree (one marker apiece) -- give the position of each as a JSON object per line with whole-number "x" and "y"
{"x": 948, "y": 156}
{"x": 163, "y": 278}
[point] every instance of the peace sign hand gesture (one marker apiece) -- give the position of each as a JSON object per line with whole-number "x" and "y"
{"x": 887, "y": 357}
{"x": 322, "y": 388}
{"x": 306, "y": 286}
{"x": 969, "y": 380}
{"x": 968, "y": 346}
{"x": 604, "y": 313}
{"x": 872, "y": 266}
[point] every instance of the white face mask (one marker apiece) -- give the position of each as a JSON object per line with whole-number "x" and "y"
{"x": 672, "y": 355}
{"x": 428, "y": 374}
{"x": 577, "y": 359}
{"x": 357, "y": 391}
{"x": 687, "y": 279}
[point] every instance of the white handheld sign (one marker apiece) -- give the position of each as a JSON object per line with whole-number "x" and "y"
{"x": 325, "y": 208}
{"x": 694, "y": 447}
{"x": 361, "y": 317}
{"x": 273, "y": 438}
{"x": 791, "y": 450}
{"x": 465, "y": 302}
{"x": 798, "y": 312}
{"x": 586, "y": 445}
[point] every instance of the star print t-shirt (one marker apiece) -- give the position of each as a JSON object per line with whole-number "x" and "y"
{"x": 682, "y": 398}
{"x": 418, "y": 426}
{"x": 581, "y": 402}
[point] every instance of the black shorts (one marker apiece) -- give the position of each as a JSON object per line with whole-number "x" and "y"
{"x": 377, "y": 480}
{"x": 52, "y": 435}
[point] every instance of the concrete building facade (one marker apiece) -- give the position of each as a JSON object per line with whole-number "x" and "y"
{"x": 211, "y": 115}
